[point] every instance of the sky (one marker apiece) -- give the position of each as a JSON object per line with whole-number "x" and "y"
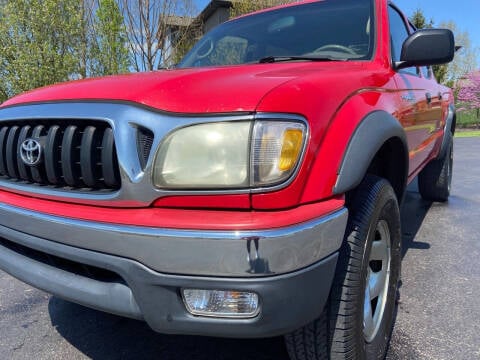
{"x": 465, "y": 13}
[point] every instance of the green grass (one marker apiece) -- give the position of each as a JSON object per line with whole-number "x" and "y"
{"x": 468, "y": 133}
{"x": 467, "y": 119}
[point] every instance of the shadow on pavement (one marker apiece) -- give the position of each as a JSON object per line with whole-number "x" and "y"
{"x": 413, "y": 212}
{"x": 103, "y": 336}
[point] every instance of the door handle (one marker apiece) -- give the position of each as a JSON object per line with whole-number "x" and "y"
{"x": 428, "y": 96}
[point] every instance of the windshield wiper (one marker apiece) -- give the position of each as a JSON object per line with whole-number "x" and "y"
{"x": 273, "y": 59}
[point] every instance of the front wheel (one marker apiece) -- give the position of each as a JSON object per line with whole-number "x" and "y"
{"x": 358, "y": 319}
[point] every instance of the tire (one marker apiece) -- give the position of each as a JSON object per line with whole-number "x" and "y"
{"x": 370, "y": 254}
{"x": 435, "y": 180}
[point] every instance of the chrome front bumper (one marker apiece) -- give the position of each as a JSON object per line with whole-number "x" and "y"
{"x": 190, "y": 252}
{"x": 139, "y": 272}
{"x": 125, "y": 287}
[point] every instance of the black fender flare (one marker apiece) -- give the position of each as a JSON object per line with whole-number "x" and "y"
{"x": 370, "y": 135}
{"x": 449, "y": 130}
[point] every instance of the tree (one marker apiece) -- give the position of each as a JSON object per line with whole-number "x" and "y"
{"x": 465, "y": 60}
{"x": 3, "y": 58}
{"x": 440, "y": 72}
{"x": 183, "y": 41}
{"x": 468, "y": 96}
{"x": 420, "y": 22}
{"x": 154, "y": 28}
{"x": 228, "y": 51}
{"x": 38, "y": 43}
{"x": 240, "y": 7}
{"x": 109, "y": 53}
{"x": 88, "y": 41}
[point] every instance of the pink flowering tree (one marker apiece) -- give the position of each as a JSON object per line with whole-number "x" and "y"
{"x": 468, "y": 96}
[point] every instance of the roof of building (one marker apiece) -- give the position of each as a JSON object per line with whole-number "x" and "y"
{"x": 212, "y": 7}
{"x": 174, "y": 20}
{"x": 208, "y": 11}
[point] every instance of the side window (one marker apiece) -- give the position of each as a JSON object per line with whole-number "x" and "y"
{"x": 427, "y": 72}
{"x": 398, "y": 34}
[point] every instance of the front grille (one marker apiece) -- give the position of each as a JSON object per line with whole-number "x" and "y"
{"x": 75, "y": 154}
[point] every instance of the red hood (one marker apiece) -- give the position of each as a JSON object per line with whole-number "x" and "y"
{"x": 200, "y": 90}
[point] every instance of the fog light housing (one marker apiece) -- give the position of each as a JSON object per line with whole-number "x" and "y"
{"x": 221, "y": 303}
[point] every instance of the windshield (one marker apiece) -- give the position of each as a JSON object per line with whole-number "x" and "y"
{"x": 329, "y": 30}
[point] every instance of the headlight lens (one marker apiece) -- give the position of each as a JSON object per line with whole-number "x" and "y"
{"x": 276, "y": 150}
{"x": 229, "y": 155}
{"x": 205, "y": 156}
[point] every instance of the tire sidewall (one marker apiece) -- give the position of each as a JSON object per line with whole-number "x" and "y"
{"x": 449, "y": 167}
{"x": 434, "y": 181}
{"x": 388, "y": 212}
{"x": 386, "y": 208}
{"x": 338, "y": 334}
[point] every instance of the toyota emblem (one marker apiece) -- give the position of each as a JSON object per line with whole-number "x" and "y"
{"x": 31, "y": 152}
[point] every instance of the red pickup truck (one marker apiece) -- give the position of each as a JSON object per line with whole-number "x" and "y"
{"x": 252, "y": 191}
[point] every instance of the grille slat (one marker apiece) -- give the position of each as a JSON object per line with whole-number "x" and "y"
{"x": 88, "y": 156}
{"x": 11, "y": 151}
{"x": 52, "y": 155}
{"x": 109, "y": 159}
{"x": 75, "y": 154}
{"x": 3, "y": 144}
{"x": 69, "y": 161}
{"x": 23, "y": 170}
{"x": 38, "y": 173}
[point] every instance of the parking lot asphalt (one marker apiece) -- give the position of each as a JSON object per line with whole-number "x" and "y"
{"x": 438, "y": 314}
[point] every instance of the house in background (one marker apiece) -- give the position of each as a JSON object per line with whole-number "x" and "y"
{"x": 179, "y": 27}
{"x": 175, "y": 27}
{"x": 215, "y": 13}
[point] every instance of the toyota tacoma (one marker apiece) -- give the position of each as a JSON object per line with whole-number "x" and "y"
{"x": 251, "y": 191}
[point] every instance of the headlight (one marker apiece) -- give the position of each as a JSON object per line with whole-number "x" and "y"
{"x": 205, "y": 156}
{"x": 229, "y": 155}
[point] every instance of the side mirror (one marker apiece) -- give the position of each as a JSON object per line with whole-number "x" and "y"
{"x": 427, "y": 47}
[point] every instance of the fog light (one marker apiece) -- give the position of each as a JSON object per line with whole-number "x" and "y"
{"x": 221, "y": 303}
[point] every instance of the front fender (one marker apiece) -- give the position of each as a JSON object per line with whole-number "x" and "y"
{"x": 373, "y": 131}
{"x": 355, "y": 133}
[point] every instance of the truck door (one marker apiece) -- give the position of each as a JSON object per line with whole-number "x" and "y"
{"x": 420, "y": 111}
